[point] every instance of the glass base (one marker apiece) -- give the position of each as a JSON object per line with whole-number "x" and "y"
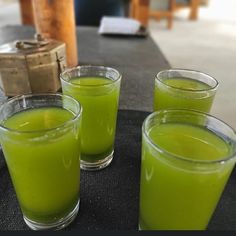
{"x": 62, "y": 223}
{"x": 98, "y": 165}
{"x": 139, "y": 228}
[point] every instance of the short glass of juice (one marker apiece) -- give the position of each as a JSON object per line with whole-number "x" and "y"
{"x": 40, "y": 138}
{"x": 187, "y": 158}
{"x": 184, "y": 89}
{"x": 97, "y": 88}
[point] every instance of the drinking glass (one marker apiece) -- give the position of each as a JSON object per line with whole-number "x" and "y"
{"x": 184, "y": 89}
{"x": 97, "y": 88}
{"x": 187, "y": 158}
{"x": 40, "y": 137}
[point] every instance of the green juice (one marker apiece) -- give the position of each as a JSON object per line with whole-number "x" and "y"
{"x": 182, "y": 93}
{"x": 99, "y": 99}
{"x": 45, "y": 164}
{"x": 177, "y": 194}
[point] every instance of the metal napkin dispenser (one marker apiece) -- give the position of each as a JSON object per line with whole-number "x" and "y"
{"x": 31, "y": 66}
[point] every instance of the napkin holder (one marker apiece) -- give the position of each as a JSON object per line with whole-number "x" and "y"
{"x": 31, "y": 66}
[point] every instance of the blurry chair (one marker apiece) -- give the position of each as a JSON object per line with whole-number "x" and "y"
{"x": 191, "y": 4}
{"x": 163, "y": 9}
{"x": 166, "y": 8}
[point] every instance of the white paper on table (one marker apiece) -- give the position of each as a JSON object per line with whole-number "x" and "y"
{"x": 118, "y": 25}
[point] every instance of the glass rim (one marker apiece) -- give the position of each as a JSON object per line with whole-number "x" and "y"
{"x": 212, "y": 88}
{"x": 77, "y": 68}
{"x": 21, "y": 97}
{"x": 178, "y": 157}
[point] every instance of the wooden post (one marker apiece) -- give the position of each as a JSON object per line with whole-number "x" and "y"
{"x": 56, "y": 19}
{"x": 140, "y": 11}
{"x": 194, "y": 5}
{"x": 172, "y": 4}
{"x": 26, "y": 9}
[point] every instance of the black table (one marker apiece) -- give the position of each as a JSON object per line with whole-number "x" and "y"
{"x": 138, "y": 59}
{"x": 110, "y": 197}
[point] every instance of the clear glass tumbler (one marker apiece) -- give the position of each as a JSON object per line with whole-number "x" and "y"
{"x": 40, "y": 137}
{"x": 97, "y": 88}
{"x": 3, "y": 98}
{"x": 187, "y": 158}
{"x": 184, "y": 89}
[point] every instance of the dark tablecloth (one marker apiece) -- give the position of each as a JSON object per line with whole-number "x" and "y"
{"x": 137, "y": 59}
{"x": 109, "y": 198}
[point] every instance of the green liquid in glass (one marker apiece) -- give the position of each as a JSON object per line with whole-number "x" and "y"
{"x": 99, "y": 99}
{"x": 182, "y": 93}
{"x": 175, "y": 195}
{"x": 44, "y": 165}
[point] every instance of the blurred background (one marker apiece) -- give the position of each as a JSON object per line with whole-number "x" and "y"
{"x": 201, "y": 37}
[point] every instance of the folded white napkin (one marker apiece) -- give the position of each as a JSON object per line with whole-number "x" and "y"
{"x": 118, "y": 25}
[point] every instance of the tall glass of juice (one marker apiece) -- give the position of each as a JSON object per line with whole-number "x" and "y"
{"x": 187, "y": 158}
{"x": 40, "y": 137}
{"x": 97, "y": 88}
{"x": 2, "y": 99}
{"x": 184, "y": 89}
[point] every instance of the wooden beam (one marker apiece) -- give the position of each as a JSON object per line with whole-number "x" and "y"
{"x": 140, "y": 11}
{"x": 26, "y": 10}
{"x": 194, "y": 5}
{"x": 56, "y": 19}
